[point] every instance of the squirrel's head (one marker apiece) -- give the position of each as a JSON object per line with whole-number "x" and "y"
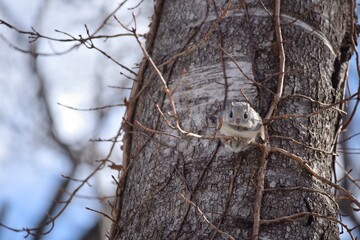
{"x": 238, "y": 114}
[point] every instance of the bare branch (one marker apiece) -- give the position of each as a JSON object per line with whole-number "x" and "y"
{"x": 303, "y": 215}
{"x": 101, "y": 213}
{"x": 280, "y": 46}
{"x": 205, "y": 218}
{"x": 91, "y": 109}
{"x": 316, "y": 175}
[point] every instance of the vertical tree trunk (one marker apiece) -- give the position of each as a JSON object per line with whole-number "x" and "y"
{"x": 178, "y": 185}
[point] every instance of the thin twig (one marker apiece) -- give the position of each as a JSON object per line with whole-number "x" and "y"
{"x": 315, "y": 174}
{"x": 331, "y": 198}
{"x": 269, "y": 115}
{"x": 242, "y": 72}
{"x": 280, "y": 45}
{"x": 348, "y": 138}
{"x": 91, "y": 109}
{"x": 166, "y": 90}
{"x": 348, "y": 176}
{"x": 136, "y": 123}
{"x": 101, "y": 213}
{"x": 318, "y": 102}
{"x": 259, "y": 192}
{"x": 303, "y": 215}
{"x": 205, "y": 218}
{"x": 302, "y": 144}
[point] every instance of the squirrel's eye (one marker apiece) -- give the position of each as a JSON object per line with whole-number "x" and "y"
{"x": 246, "y": 115}
{"x": 231, "y": 114}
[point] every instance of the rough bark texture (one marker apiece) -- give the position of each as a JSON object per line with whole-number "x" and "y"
{"x": 162, "y": 169}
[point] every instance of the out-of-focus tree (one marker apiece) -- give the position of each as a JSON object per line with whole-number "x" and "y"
{"x": 57, "y": 92}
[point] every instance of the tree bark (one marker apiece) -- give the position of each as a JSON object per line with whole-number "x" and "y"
{"x": 178, "y": 185}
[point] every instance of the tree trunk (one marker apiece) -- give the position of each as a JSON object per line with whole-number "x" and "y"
{"x": 180, "y": 182}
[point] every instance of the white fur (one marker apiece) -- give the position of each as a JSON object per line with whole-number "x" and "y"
{"x": 229, "y": 131}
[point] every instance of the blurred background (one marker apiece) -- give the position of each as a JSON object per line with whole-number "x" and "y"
{"x": 46, "y": 148}
{"x": 41, "y": 142}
